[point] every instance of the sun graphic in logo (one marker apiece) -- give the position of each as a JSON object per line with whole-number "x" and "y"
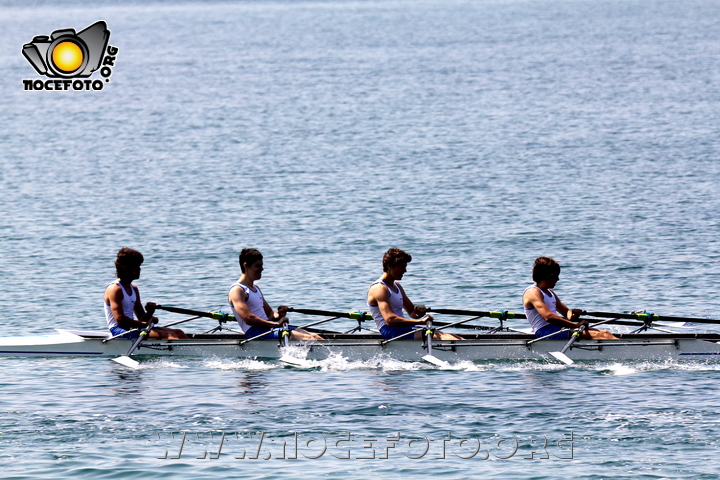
{"x": 67, "y": 56}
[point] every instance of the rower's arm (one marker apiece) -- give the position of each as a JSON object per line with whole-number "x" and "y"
{"x": 415, "y": 311}
{"x": 237, "y": 298}
{"x": 533, "y": 299}
{"x": 140, "y": 313}
{"x": 563, "y": 310}
{"x": 380, "y": 295}
{"x": 277, "y": 316}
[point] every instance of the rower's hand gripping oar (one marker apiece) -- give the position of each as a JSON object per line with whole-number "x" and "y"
{"x": 125, "y": 359}
{"x": 428, "y": 333}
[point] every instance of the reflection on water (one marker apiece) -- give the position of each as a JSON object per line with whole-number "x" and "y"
{"x": 395, "y": 382}
{"x": 128, "y": 383}
{"x": 252, "y": 384}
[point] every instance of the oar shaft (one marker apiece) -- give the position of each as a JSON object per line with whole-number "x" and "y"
{"x": 576, "y": 334}
{"x": 649, "y": 316}
{"x": 351, "y": 315}
{"x": 474, "y": 313}
{"x": 180, "y": 321}
{"x": 308, "y": 325}
{"x": 143, "y": 334}
{"x": 214, "y": 315}
{"x": 442, "y": 326}
{"x": 259, "y": 336}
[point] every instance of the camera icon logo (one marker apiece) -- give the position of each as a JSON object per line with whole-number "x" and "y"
{"x": 67, "y": 54}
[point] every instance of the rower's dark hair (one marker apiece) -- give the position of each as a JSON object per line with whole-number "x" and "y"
{"x": 545, "y": 268}
{"x": 395, "y": 256}
{"x": 126, "y": 260}
{"x": 249, "y": 256}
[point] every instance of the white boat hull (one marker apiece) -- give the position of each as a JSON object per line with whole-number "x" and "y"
{"x": 702, "y": 347}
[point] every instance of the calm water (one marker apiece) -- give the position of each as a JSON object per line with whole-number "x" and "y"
{"x": 475, "y": 135}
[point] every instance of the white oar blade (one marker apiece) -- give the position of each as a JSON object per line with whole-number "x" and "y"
{"x": 293, "y": 361}
{"x": 126, "y": 361}
{"x": 436, "y": 361}
{"x": 562, "y": 357}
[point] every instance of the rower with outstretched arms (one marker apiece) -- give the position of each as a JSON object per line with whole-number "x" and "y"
{"x": 122, "y": 301}
{"x": 544, "y": 310}
{"x": 386, "y": 300}
{"x": 249, "y": 306}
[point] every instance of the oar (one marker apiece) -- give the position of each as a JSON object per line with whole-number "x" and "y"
{"x": 576, "y": 334}
{"x": 125, "y": 359}
{"x": 649, "y": 317}
{"x": 179, "y": 322}
{"x": 561, "y": 354}
{"x": 430, "y": 358}
{"x": 359, "y": 316}
{"x": 475, "y": 313}
{"x": 501, "y": 315}
{"x": 285, "y": 341}
{"x": 351, "y": 315}
{"x": 220, "y": 316}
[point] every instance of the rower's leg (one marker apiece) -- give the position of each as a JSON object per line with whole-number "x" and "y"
{"x": 300, "y": 334}
{"x": 601, "y": 335}
{"x": 446, "y": 336}
{"x": 167, "y": 333}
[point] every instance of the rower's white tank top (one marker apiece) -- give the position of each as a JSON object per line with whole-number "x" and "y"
{"x": 128, "y": 305}
{"x": 396, "y": 303}
{"x": 534, "y": 318}
{"x": 254, "y": 302}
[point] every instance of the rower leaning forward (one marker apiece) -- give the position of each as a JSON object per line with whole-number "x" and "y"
{"x": 544, "y": 310}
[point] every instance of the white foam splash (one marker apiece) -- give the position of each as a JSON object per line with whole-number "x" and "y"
{"x": 619, "y": 369}
{"x": 240, "y": 364}
{"x": 335, "y": 362}
{"x": 160, "y": 363}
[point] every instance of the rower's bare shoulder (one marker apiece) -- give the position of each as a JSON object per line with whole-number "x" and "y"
{"x": 237, "y": 293}
{"x": 113, "y": 294}
{"x": 378, "y": 291}
{"x": 112, "y": 290}
{"x": 531, "y": 296}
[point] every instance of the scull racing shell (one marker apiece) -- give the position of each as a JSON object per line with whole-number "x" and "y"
{"x": 254, "y": 301}
{"x": 396, "y": 304}
{"x": 128, "y": 305}
{"x": 534, "y": 318}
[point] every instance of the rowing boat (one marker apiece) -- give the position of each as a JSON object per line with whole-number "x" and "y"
{"x": 474, "y": 347}
{"x": 495, "y": 343}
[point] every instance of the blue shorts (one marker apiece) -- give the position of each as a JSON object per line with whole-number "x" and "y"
{"x": 119, "y": 331}
{"x": 548, "y": 329}
{"x": 255, "y": 331}
{"x": 392, "y": 332}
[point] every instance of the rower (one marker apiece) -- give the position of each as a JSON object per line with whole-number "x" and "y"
{"x": 122, "y": 300}
{"x": 544, "y": 310}
{"x": 250, "y": 308}
{"x": 386, "y": 300}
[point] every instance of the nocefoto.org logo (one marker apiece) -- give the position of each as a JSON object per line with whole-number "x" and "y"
{"x": 70, "y": 58}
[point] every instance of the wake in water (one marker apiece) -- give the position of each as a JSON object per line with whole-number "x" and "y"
{"x": 295, "y": 359}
